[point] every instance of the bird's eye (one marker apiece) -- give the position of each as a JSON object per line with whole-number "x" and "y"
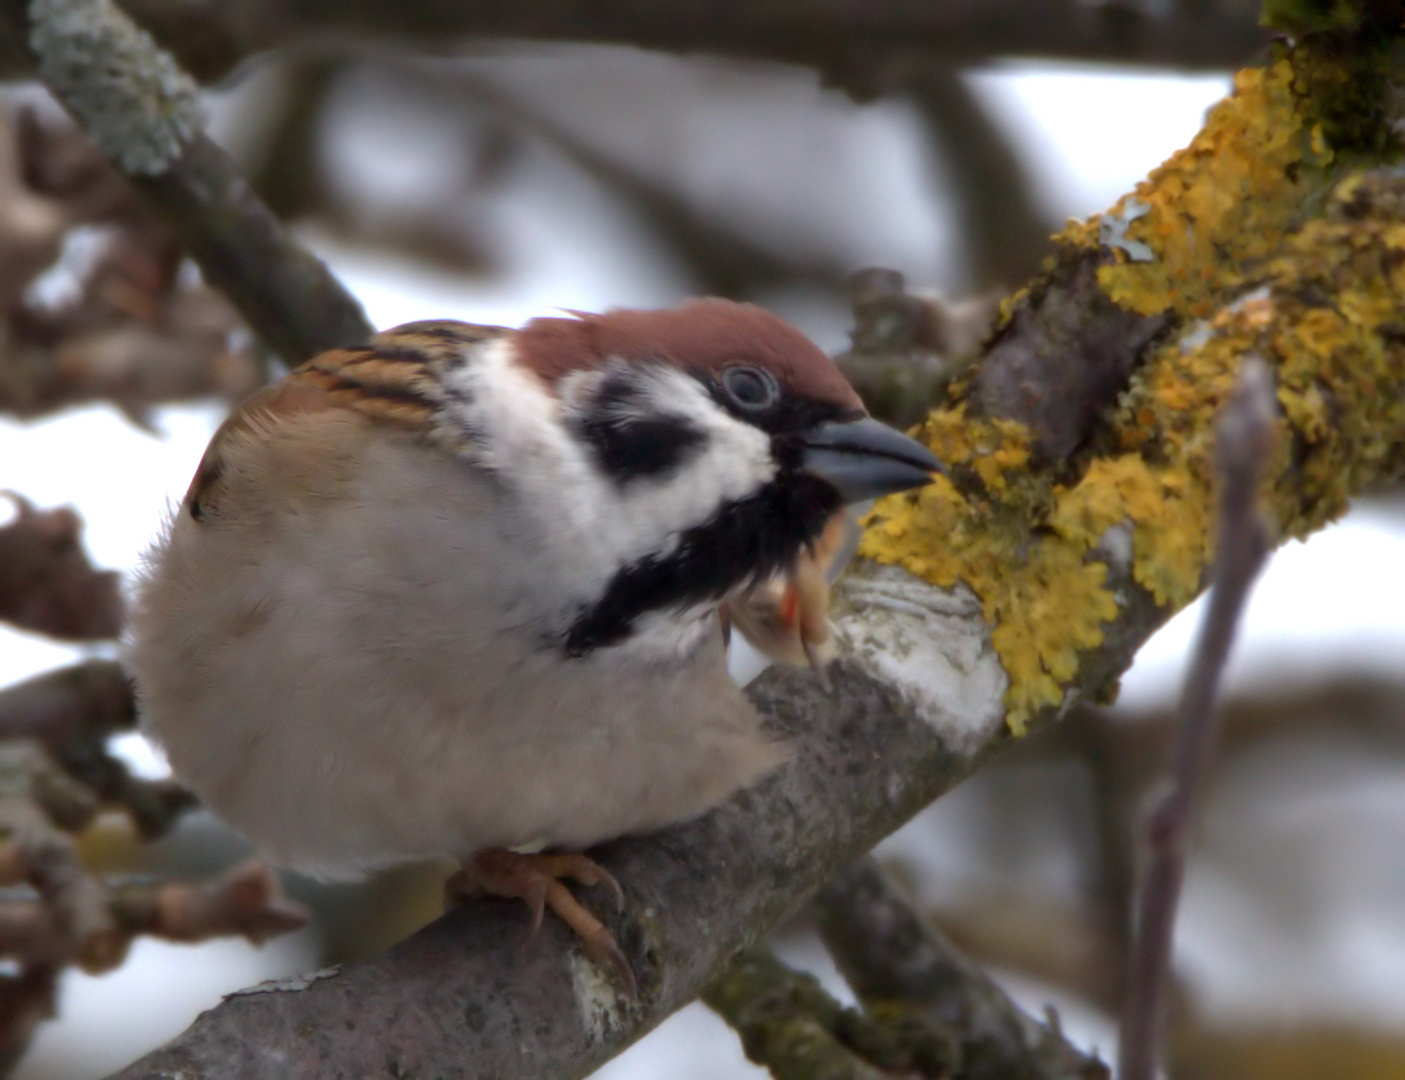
{"x": 751, "y": 389}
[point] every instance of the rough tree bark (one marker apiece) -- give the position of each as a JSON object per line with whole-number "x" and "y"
{"x": 982, "y": 605}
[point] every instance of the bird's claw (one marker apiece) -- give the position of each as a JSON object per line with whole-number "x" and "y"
{"x": 536, "y": 881}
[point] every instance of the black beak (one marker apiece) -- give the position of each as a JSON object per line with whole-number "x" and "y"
{"x": 863, "y": 459}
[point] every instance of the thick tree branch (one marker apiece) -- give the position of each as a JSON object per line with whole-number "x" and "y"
{"x": 144, "y": 114}
{"x": 1078, "y": 447}
{"x": 465, "y": 997}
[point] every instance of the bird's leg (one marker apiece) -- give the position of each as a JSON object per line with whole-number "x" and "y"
{"x": 536, "y": 881}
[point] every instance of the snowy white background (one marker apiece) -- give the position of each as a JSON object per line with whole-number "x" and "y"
{"x": 1322, "y": 605}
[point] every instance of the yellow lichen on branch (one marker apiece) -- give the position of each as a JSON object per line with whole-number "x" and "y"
{"x": 1027, "y": 584}
{"x": 1216, "y": 207}
{"x": 1245, "y": 239}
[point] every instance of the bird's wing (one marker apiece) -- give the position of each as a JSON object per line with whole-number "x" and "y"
{"x": 395, "y": 379}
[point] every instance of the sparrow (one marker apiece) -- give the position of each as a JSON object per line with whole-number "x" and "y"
{"x": 466, "y": 589}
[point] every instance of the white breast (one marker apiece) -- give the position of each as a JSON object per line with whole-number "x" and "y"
{"x": 349, "y": 670}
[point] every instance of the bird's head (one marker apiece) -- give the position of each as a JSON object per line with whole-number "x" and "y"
{"x": 715, "y": 442}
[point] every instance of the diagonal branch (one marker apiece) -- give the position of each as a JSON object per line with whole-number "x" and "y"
{"x": 144, "y": 114}
{"x": 466, "y": 993}
{"x": 897, "y": 961}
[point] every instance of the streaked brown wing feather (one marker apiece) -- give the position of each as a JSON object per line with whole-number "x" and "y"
{"x": 394, "y": 378}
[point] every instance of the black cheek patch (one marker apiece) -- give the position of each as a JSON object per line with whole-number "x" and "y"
{"x": 631, "y": 447}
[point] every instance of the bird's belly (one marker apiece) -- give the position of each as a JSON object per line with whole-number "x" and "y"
{"x": 356, "y": 691}
{"x": 346, "y": 780}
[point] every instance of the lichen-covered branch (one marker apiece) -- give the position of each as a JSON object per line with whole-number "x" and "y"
{"x": 1080, "y": 445}
{"x": 903, "y": 971}
{"x": 788, "y": 1024}
{"x": 143, "y": 112}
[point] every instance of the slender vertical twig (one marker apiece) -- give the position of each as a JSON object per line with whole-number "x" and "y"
{"x": 1244, "y": 444}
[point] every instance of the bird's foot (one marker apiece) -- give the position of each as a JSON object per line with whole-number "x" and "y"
{"x": 536, "y": 881}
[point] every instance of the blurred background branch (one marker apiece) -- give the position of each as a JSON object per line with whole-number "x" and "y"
{"x": 210, "y": 39}
{"x": 46, "y": 581}
{"x": 902, "y": 968}
{"x": 142, "y": 111}
{"x": 56, "y": 776}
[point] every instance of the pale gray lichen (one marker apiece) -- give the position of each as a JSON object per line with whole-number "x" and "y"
{"x": 932, "y": 644}
{"x": 603, "y": 1008}
{"x": 1196, "y": 336}
{"x": 290, "y": 984}
{"x": 1112, "y": 232}
{"x": 128, "y": 94}
{"x": 1115, "y": 547}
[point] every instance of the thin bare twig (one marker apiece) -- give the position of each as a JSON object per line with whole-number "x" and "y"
{"x": 1244, "y": 444}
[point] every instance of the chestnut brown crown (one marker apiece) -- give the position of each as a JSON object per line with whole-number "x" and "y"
{"x": 703, "y": 336}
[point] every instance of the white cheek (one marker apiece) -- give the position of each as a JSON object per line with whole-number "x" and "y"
{"x": 735, "y": 463}
{"x": 590, "y": 526}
